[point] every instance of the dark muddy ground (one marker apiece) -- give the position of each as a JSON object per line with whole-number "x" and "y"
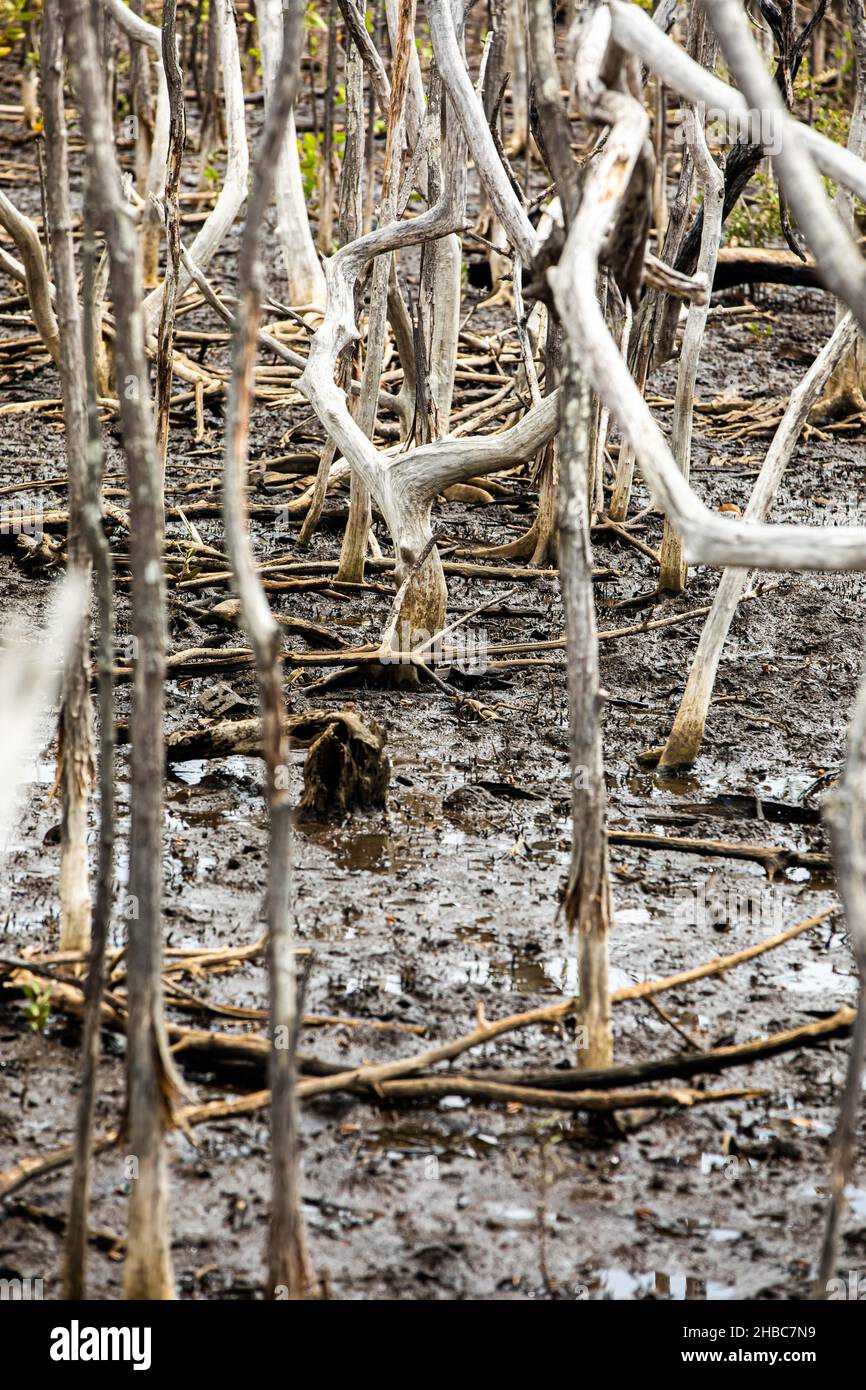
{"x": 449, "y": 900}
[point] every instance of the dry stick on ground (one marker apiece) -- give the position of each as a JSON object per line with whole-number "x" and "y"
{"x": 75, "y": 744}
{"x": 197, "y": 660}
{"x": 774, "y": 858}
{"x": 594, "y": 1102}
{"x": 28, "y": 1169}
{"x": 686, "y": 736}
{"x": 683, "y": 1064}
{"x": 66, "y": 998}
{"x": 152, "y": 1080}
{"x": 288, "y": 1273}
{"x": 649, "y": 988}
{"x": 173, "y": 77}
{"x": 252, "y": 1048}
{"x": 845, "y": 813}
{"x": 195, "y": 960}
{"x": 79, "y": 1201}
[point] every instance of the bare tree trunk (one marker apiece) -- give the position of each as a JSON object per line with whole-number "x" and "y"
{"x": 711, "y": 181}
{"x": 686, "y": 736}
{"x": 439, "y": 298}
{"x": 140, "y": 31}
{"x": 140, "y": 86}
{"x": 76, "y": 732}
{"x": 75, "y": 742}
{"x": 405, "y": 486}
{"x": 288, "y": 1271}
{"x": 234, "y": 190}
{"x": 349, "y": 220}
{"x": 709, "y": 539}
{"x": 587, "y": 898}
{"x": 845, "y": 390}
{"x": 516, "y": 62}
{"x": 75, "y": 1260}
{"x": 176, "y": 143}
{"x": 358, "y": 525}
{"x": 306, "y": 280}
{"x": 845, "y": 814}
{"x": 152, "y": 1083}
{"x": 212, "y": 121}
{"x": 328, "y": 162}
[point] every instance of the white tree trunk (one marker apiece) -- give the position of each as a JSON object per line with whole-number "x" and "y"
{"x": 711, "y": 181}
{"x": 306, "y": 280}
{"x": 234, "y": 190}
{"x": 686, "y": 736}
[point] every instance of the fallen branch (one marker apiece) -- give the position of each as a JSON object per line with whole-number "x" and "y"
{"x": 775, "y": 858}
{"x": 684, "y": 1064}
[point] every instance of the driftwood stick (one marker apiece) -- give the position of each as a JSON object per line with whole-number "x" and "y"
{"x": 30, "y": 1168}
{"x": 685, "y": 1064}
{"x": 773, "y": 857}
{"x": 649, "y": 988}
{"x": 597, "y": 1102}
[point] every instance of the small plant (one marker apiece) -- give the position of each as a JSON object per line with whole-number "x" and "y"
{"x": 760, "y": 330}
{"x": 14, "y": 17}
{"x": 37, "y": 1007}
{"x": 308, "y": 156}
{"x": 755, "y": 221}
{"x": 313, "y": 24}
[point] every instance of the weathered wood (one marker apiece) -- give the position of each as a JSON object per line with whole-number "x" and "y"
{"x": 152, "y": 1079}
